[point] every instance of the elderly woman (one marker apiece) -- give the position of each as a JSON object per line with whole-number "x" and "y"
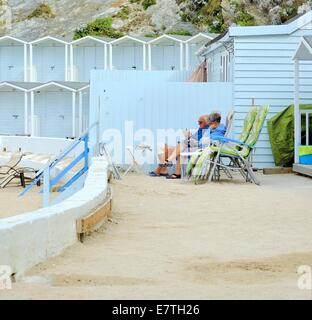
{"x": 209, "y": 126}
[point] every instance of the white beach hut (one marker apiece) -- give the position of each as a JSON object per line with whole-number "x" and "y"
{"x": 86, "y": 54}
{"x": 48, "y": 60}
{"x": 192, "y": 46}
{"x": 128, "y": 53}
{"x": 59, "y": 108}
{"x": 258, "y": 61}
{"x": 167, "y": 52}
{"x": 302, "y": 85}
{"x": 13, "y": 59}
{"x": 14, "y": 107}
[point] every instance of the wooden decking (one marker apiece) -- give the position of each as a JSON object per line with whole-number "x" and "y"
{"x": 303, "y": 169}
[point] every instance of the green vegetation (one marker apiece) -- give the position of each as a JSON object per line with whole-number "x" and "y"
{"x": 217, "y": 15}
{"x": 243, "y": 18}
{"x": 123, "y": 14}
{"x": 147, "y": 3}
{"x": 42, "y": 11}
{"x": 180, "y": 33}
{"x": 99, "y": 27}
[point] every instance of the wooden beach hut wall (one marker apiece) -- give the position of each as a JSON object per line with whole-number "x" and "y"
{"x": 48, "y": 60}
{"x": 302, "y": 86}
{"x": 167, "y": 53}
{"x": 14, "y": 107}
{"x": 86, "y": 54}
{"x": 128, "y": 53}
{"x": 192, "y": 46}
{"x": 259, "y": 63}
{"x": 13, "y": 59}
{"x": 58, "y": 108}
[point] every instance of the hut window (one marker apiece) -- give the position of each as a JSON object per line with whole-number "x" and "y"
{"x": 209, "y": 70}
{"x": 225, "y": 64}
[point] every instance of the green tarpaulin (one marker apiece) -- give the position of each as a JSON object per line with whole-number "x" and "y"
{"x": 282, "y": 136}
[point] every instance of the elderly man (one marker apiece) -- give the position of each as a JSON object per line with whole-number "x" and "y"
{"x": 209, "y": 126}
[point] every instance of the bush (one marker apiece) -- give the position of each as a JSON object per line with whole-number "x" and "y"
{"x": 123, "y": 14}
{"x": 100, "y": 27}
{"x": 180, "y": 33}
{"x": 42, "y": 11}
{"x": 147, "y": 3}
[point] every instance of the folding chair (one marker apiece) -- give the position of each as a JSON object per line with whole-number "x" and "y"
{"x": 239, "y": 152}
{"x": 135, "y": 165}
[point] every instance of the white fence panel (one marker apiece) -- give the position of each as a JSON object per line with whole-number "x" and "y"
{"x": 152, "y": 101}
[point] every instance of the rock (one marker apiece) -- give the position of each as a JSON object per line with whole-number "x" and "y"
{"x": 118, "y": 24}
{"x": 165, "y": 14}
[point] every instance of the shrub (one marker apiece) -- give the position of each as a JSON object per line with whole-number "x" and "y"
{"x": 123, "y": 14}
{"x": 180, "y": 33}
{"x": 42, "y": 11}
{"x": 98, "y": 27}
{"x": 147, "y": 3}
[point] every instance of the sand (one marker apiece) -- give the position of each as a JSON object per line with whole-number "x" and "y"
{"x": 11, "y": 204}
{"x": 168, "y": 240}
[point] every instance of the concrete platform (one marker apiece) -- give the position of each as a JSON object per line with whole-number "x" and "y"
{"x": 303, "y": 169}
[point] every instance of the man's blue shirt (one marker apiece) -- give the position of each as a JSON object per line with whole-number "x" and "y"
{"x": 209, "y": 133}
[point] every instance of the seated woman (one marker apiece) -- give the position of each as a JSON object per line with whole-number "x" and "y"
{"x": 208, "y": 127}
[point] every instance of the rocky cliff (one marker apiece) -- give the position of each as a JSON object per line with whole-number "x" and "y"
{"x": 31, "y": 19}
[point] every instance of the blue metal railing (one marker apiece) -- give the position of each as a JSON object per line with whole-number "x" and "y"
{"x": 45, "y": 172}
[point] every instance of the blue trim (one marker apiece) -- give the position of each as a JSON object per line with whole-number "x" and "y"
{"x": 83, "y": 156}
{"x": 72, "y": 180}
{"x": 67, "y": 169}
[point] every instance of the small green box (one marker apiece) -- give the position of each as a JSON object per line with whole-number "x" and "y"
{"x": 305, "y": 155}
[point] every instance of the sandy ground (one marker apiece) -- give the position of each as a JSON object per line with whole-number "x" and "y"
{"x": 11, "y": 204}
{"x": 168, "y": 240}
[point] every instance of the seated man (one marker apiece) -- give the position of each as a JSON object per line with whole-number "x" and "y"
{"x": 208, "y": 127}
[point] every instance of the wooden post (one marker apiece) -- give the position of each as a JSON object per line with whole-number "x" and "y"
{"x": 297, "y": 114}
{"x": 105, "y": 57}
{"x": 110, "y": 57}
{"x": 74, "y": 114}
{"x": 80, "y": 112}
{"x": 32, "y": 113}
{"x": 46, "y": 187}
{"x": 25, "y": 63}
{"x": 149, "y": 53}
{"x": 66, "y": 62}
{"x": 71, "y": 49}
{"x": 26, "y": 113}
{"x": 144, "y": 57}
{"x": 181, "y": 56}
{"x": 31, "y": 77}
{"x": 187, "y": 56}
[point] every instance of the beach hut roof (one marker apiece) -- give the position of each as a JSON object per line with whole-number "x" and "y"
{"x": 127, "y": 39}
{"x": 167, "y": 39}
{"x": 86, "y": 41}
{"x": 304, "y": 51}
{"x": 69, "y": 86}
{"x": 8, "y": 40}
{"x": 201, "y": 37}
{"x": 21, "y": 86}
{"x": 49, "y": 41}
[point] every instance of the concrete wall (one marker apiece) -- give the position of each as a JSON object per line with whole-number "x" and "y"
{"x": 36, "y": 145}
{"x": 31, "y": 238}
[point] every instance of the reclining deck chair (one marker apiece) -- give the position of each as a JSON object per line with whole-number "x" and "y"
{"x": 199, "y": 168}
{"x": 9, "y": 171}
{"x": 239, "y": 152}
{"x": 194, "y": 156}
